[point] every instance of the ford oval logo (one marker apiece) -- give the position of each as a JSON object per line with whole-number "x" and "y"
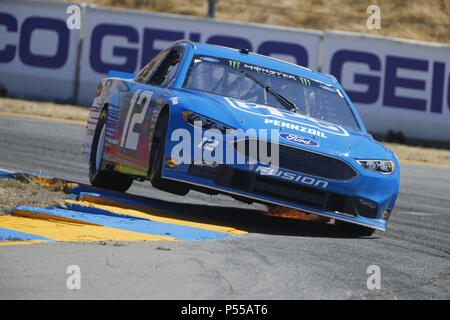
{"x": 298, "y": 139}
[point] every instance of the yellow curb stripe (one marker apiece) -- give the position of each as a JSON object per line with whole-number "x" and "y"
{"x": 145, "y": 212}
{"x": 30, "y": 116}
{"x": 12, "y": 243}
{"x": 67, "y": 231}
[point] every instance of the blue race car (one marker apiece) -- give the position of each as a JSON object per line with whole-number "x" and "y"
{"x": 221, "y": 120}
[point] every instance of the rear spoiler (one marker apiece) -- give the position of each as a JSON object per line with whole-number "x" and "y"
{"x": 120, "y": 74}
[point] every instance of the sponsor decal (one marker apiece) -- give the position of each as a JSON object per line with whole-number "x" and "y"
{"x": 305, "y": 81}
{"x": 174, "y": 100}
{"x": 273, "y": 73}
{"x": 296, "y": 127}
{"x": 298, "y": 139}
{"x": 170, "y": 164}
{"x": 111, "y": 141}
{"x": 280, "y": 118}
{"x": 291, "y": 176}
{"x": 127, "y": 168}
{"x": 209, "y": 59}
{"x": 234, "y": 64}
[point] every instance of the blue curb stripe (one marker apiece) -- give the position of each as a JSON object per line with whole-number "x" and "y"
{"x": 13, "y": 235}
{"x": 113, "y": 220}
{"x": 93, "y": 210}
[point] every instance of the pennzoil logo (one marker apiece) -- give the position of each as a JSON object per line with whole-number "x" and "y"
{"x": 234, "y": 64}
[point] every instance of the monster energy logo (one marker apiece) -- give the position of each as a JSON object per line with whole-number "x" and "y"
{"x": 305, "y": 81}
{"x": 234, "y": 64}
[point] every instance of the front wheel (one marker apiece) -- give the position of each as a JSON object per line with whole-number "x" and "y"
{"x": 157, "y": 161}
{"x": 354, "y": 230}
{"x": 98, "y": 177}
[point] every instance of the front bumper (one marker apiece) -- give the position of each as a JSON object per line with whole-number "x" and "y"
{"x": 372, "y": 210}
{"x": 357, "y": 196}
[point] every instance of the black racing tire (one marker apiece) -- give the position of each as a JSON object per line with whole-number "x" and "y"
{"x": 157, "y": 160}
{"x": 102, "y": 178}
{"x": 353, "y": 230}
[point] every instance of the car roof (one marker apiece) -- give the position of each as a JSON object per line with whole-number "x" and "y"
{"x": 260, "y": 60}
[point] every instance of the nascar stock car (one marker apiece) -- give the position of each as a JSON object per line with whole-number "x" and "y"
{"x": 220, "y": 120}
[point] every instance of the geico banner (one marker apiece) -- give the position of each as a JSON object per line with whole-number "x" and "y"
{"x": 395, "y": 84}
{"x": 126, "y": 40}
{"x": 38, "y": 53}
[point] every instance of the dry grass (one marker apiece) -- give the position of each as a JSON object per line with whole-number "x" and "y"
{"x": 44, "y": 109}
{"x": 427, "y": 155}
{"x": 410, "y": 19}
{"x": 15, "y": 193}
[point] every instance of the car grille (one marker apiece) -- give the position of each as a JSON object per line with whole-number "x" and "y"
{"x": 303, "y": 161}
{"x": 287, "y": 191}
{"x": 278, "y": 189}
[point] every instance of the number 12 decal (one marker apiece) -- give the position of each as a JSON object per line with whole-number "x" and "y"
{"x": 130, "y": 138}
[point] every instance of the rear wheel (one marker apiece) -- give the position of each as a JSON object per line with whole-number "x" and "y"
{"x": 98, "y": 177}
{"x": 157, "y": 160}
{"x": 354, "y": 230}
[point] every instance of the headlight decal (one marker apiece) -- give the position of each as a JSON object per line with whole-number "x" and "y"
{"x": 206, "y": 123}
{"x": 381, "y": 166}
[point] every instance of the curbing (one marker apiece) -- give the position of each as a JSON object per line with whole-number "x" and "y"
{"x": 85, "y": 217}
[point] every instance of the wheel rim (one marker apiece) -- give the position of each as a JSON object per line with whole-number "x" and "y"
{"x": 100, "y": 146}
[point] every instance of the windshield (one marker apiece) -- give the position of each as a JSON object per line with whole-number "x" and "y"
{"x": 239, "y": 80}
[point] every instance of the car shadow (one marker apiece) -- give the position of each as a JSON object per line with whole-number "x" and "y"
{"x": 245, "y": 219}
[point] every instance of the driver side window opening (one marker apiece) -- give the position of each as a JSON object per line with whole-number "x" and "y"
{"x": 160, "y": 71}
{"x": 165, "y": 74}
{"x": 144, "y": 75}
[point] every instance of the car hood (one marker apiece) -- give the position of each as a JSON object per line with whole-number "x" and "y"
{"x": 295, "y": 130}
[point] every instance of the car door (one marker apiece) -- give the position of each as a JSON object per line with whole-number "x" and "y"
{"x": 138, "y": 119}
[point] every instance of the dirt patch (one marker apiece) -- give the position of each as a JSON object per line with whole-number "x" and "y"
{"x": 15, "y": 193}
